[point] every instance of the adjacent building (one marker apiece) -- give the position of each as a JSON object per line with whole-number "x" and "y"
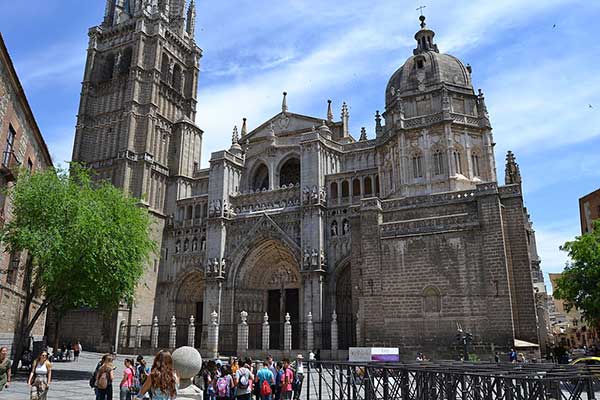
{"x": 589, "y": 210}
{"x": 21, "y": 146}
{"x": 399, "y": 233}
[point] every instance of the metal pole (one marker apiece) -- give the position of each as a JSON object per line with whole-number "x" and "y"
{"x": 320, "y": 366}
{"x": 386, "y": 389}
{"x": 308, "y": 380}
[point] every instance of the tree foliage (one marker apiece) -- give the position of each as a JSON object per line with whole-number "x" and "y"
{"x": 579, "y": 284}
{"x": 87, "y": 241}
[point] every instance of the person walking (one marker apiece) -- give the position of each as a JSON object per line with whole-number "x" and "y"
{"x": 40, "y": 377}
{"x": 104, "y": 379}
{"x": 286, "y": 380}
{"x": 278, "y": 380}
{"x": 163, "y": 381}
{"x": 223, "y": 384}
{"x": 127, "y": 381}
{"x": 5, "y": 365}
{"x": 242, "y": 381}
{"x": 77, "y": 348}
{"x": 298, "y": 367}
{"x": 266, "y": 381}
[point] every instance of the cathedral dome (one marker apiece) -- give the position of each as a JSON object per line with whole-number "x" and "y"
{"x": 428, "y": 69}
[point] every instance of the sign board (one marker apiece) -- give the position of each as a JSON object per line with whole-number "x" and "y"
{"x": 371, "y": 354}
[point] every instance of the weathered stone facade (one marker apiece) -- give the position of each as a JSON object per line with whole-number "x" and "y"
{"x": 22, "y": 146}
{"x": 403, "y": 236}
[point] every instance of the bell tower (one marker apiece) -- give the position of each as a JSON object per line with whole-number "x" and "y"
{"x": 136, "y": 120}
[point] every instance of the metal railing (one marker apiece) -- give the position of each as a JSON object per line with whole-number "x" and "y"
{"x": 449, "y": 381}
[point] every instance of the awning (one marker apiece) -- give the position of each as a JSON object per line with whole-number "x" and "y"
{"x": 523, "y": 343}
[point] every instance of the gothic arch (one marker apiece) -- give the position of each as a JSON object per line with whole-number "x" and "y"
{"x": 344, "y": 307}
{"x": 258, "y": 175}
{"x": 432, "y": 300}
{"x": 288, "y": 170}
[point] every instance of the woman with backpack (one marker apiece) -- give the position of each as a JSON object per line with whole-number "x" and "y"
{"x": 243, "y": 382}
{"x": 223, "y": 384}
{"x": 127, "y": 382}
{"x": 40, "y": 377}
{"x": 104, "y": 378}
{"x": 287, "y": 379}
{"x": 163, "y": 381}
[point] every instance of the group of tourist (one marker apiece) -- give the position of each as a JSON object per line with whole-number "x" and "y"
{"x": 241, "y": 380}
{"x": 158, "y": 382}
{"x": 39, "y": 379}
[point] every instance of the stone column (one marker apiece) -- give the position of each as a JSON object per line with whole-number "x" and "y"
{"x": 287, "y": 334}
{"x": 213, "y": 336}
{"x": 173, "y": 333}
{"x": 242, "y": 337}
{"x": 310, "y": 337}
{"x": 138, "y": 334}
{"x": 154, "y": 343}
{"x": 266, "y": 331}
{"x": 334, "y": 332}
{"x": 358, "y": 330}
{"x": 192, "y": 333}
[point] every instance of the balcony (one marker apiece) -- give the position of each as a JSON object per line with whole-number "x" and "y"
{"x": 9, "y": 166}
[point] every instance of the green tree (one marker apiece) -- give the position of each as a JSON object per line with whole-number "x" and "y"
{"x": 579, "y": 284}
{"x": 86, "y": 242}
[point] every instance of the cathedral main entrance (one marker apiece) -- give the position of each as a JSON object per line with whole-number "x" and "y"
{"x": 269, "y": 282}
{"x": 190, "y": 302}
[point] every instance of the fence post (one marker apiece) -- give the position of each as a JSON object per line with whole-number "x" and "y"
{"x": 138, "y": 334}
{"x": 266, "y": 330}
{"x": 242, "y": 336}
{"x": 192, "y": 332}
{"x": 213, "y": 335}
{"x": 310, "y": 337}
{"x": 334, "y": 332}
{"x": 173, "y": 333}
{"x": 287, "y": 334}
{"x": 154, "y": 344}
{"x": 358, "y": 330}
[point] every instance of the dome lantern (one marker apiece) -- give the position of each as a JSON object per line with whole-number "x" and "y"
{"x": 424, "y": 38}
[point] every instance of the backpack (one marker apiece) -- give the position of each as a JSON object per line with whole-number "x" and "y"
{"x": 137, "y": 385}
{"x": 222, "y": 387}
{"x": 102, "y": 381}
{"x": 265, "y": 389}
{"x": 244, "y": 382}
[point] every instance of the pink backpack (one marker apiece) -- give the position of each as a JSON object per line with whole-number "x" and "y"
{"x": 222, "y": 387}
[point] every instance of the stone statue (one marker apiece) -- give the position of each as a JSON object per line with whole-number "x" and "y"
{"x": 315, "y": 258}
{"x": 215, "y": 263}
{"x": 323, "y": 194}
{"x": 223, "y": 266}
{"x": 225, "y": 209}
{"x": 203, "y": 244}
{"x": 346, "y": 227}
{"x": 211, "y": 209}
{"x": 306, "y": 195}
{"x": 306, "y": 258}
{"x": 315, "y": 195}
{"x": 322, "y": 258}
{"x": 218, "y": 208}
{"x": 334, "y": 230}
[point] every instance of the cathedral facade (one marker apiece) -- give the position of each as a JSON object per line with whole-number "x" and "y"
{"x": 400, "y": 238}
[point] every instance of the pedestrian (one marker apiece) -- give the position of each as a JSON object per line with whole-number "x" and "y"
{"x": 512, "y": 356}
{"x": 234, "y": 366}
{"x": 278, "y": 380}
{"x": 497, "y": 357}
{"x": 242, "y": 381}
{"x": 104, "y": 379}
{"x": 223, "y": 384}
{"x": 266, "y": 381}
{"x": 126, "y": 385}
{"x": 273, "y": 369}
{"x": 163, "y": 381}
{"x": 286, "y": 380}
{"x": 40, "y": 377}
{"x": 77, "y": 349}
{"x": 298, "y": 367}
{"x": 5, "y": 365}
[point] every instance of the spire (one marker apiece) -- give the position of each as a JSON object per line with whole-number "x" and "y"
{"x": 363, "y": 134}
{"x": 345, "y": 118}
{"x": 284, "y": 106}
{"x": 424, "y": 38}
{"x": 190, "y": 25}
{"x": 235, "y": 146}
{"x": 512, "y": 173}
{"x": 378, "y": 127}
{"x": 234, "y": 136}
{"x": 329, "y": 111}
{"x": 244, "y": 127}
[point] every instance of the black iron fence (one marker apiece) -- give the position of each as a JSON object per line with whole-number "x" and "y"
{"x": 449, "y": 381}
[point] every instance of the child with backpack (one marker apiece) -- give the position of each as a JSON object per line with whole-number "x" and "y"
{"x": 223, "y": 384}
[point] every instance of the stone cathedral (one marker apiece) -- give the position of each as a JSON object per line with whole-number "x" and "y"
{"x": 403, "y": 236}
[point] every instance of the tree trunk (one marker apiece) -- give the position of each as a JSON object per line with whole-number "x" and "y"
{"x": 25, "y": 328}
{"x": 56, "y": 331}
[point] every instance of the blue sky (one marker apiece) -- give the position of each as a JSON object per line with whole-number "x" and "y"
{"x": 537, "y": 62}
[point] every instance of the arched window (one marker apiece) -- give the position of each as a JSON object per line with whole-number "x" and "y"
{"x": 198, "y": 211}
{"x": 356, "y": 187}
{"x": 195, "y": 244}
{"x": 345, "y": 227}
{"x": 457, "y": 162}
{"x": 368, "y": 186}
{"x": 205, "y": 210}
{"x": 432, "y": 300}
{"x": 345, "y": 189}
{"x": 377, "y": 184}
{"x": 164, "y": 68}
{"x": 186, "y": 244}
{"x": 417, "y": 165}
{"x": 176, "y": 78}
{"x": 438, "y": 162}
{"x": 177, "y": 246}
{"x": 290, "y": 172}
{"x": 108, "y": 67}
{"x": 189, "y": 212}
{"x": 261, "y": 178}
{"x": 125, "y": 61}
{"x": 334, "y": 229}
{"x": 203, "y": 243}
{"x": 475, "y": 162}
{"x": 333, "y": 192}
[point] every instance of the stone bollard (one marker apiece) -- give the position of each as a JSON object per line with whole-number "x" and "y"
{"x": 358, "y": 330}
{"x": 334, "y": 332}
{"x": 213, "y": 336}
{"x": 173, "y": 333}
{"x": 138, "y": 334}
{"x": 242, "y": 336}
{"x": 266, "y": 331}
{"x": 155, "y": 333}
{"x": 187, "y": 362}
{"x": 287, "y": 334}
{"x": 192, "y": 332}
{"x": 310, "y": 337}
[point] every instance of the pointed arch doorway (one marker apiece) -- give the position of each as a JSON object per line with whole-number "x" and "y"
{"x": 190, "y": 302}
{"x": 344, "y": 308}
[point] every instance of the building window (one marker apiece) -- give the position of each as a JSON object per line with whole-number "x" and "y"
{"x": 333, "y": 191}
{"x": 356, "y": 187}
{"x": 368, "y": 186}
{"x": 289, "y": 174}
{"x": 417, "y": 165}
{"x": 457, "y": 162}
{"x": 261, "y": 178}
{"x": 13, "y": 268}
{"x": 438, "y": 162}
{"x": 432, "y": 300}
{"x": 177, "y": 78}
{"x": 345, "y": 189}
{"x": 475, "y": 162}
{"x": 8, "y": 150}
